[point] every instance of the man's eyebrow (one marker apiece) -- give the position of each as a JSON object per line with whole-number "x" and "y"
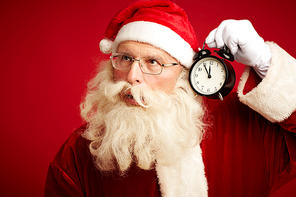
{"x": 151, "y": 56}
{"x": 124, "y": 53}
{"x": 154, "y": 56}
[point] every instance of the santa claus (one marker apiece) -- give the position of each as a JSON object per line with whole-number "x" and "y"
{"x": 147, "y": 133}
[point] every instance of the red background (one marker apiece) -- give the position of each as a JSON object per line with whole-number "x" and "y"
{"x": 48, "y": 53}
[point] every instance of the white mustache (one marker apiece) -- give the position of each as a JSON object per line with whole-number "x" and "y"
{"x": 122, "y": 90}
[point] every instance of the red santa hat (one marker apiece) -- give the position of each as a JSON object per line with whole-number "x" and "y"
{"x": 160, "y": 23}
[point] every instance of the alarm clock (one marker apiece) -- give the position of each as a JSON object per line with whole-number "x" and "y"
{"x": 212, "y": 76}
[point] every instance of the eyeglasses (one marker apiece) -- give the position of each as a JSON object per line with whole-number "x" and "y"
{"x": 148, "y": 65}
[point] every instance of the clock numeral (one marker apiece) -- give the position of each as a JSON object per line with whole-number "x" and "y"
{"x": 195, "y": 75}
{"x": 211, "y": 62}
{"x": 199, "y": 69}
{"x": 216, "y": 89}
{"x": 202, "y": 87}
{"x": 197, "y": 82}
{"x": 223, "y": 77}
{"x": 220, "y": 84}
{"x": 208, "y": 90}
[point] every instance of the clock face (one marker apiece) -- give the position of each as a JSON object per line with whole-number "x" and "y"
{"x": 208, "y": 76}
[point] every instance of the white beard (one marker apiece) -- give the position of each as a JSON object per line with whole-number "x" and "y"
{"x": 160, "y": 129}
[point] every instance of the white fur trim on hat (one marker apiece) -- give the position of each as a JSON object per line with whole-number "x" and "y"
{"x": 159, "y": 36}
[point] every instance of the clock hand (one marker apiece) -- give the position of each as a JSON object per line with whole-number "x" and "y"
{"x": 209, "y": 74}
{"x": 206, "y": 70}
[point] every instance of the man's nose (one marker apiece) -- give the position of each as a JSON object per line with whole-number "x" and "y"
{"x": 135, "y": 74}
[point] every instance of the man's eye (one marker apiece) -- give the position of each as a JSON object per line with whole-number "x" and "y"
{"x": 152, "y": 62}
{"x": 126, "y": 58}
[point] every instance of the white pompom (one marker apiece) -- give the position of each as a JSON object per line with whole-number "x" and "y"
{"x": 106, "y": 46}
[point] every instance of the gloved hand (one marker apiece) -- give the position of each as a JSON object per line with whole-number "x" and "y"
{"x": 244, "y": 43}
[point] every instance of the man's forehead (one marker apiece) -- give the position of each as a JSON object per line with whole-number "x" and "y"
{"x": 135, "y": 48}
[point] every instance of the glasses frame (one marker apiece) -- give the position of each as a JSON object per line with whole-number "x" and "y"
{"x": 133, "y": 60}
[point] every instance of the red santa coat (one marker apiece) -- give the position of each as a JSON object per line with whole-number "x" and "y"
{"x": 245, "y": 152}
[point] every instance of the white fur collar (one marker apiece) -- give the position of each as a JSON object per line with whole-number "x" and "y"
{"x": 185, "y": 178}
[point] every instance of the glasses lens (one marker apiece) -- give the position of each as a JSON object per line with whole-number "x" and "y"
{"x": 121, "y": 61}
{"x": 151, "y": 66}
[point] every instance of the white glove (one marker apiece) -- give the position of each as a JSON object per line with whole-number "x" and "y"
{"x": 244, "y": 43}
